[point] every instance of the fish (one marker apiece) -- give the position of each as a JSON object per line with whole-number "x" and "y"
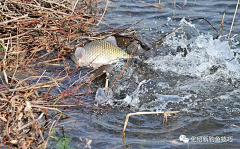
{"x": 100, "y": 52}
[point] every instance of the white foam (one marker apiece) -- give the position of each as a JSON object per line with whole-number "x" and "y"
{"x": 208, "y": 68}
{"x": 204, "y": 54}
{"x": 105, "y": 96}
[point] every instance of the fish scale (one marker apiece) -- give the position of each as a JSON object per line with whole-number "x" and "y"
{"x": 100, "y": 52}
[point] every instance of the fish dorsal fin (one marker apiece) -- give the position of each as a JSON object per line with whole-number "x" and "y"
{"x": 79, "y": 52}
{"x": 112, "y": 40}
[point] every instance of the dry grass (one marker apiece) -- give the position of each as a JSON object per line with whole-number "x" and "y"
{"x": 28, "y": 27}
{"x": 40, "y": 32}
{"x": 30, "y": 31}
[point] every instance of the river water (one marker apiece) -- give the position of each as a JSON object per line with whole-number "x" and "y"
{"x": 192, "y": 72}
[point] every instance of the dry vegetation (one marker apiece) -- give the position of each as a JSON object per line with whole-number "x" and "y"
{"x": 30, "y": 31}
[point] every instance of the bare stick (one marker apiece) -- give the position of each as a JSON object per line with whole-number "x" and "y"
{"x": 29, "y": 109}
{"x": 57, "y": 3}
{"x": 122, "y": 69}
{"x": 38, "y": 80}
{"x": 143, "y": 2}
{"x": 17, "y": 36}
{"x": 145, "y": 113}
{"x": 74, "y": 6}
{"x": 222, "y": 22}
{"x": 81, "y": 78}
{"x": 41, "y": 8}
{"x": 28, "y": 124}
{"x": 103, "y": 13}
{"x": 13, "y": 20}
{"x": 99, "y": 35}
{"x": 233, "y": 19}
{"x": 156, "y": 42}
{"x": 185, "y": 3}
{"x": 4, "y": 63}
{"x": 15, "y": 89}
{"x": 107, "y": 80}
{"x": 49, "y": 133}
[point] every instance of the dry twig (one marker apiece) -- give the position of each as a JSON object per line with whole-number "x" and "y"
{"x": 233, "y": 19}
{"x": 146, "y": 113}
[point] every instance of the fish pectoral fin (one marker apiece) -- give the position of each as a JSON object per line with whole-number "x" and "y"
{"x": 79, "y": 52}
{"x": 112, "y": 40}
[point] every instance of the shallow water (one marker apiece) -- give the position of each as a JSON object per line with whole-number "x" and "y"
{"x": 192, "y": 72}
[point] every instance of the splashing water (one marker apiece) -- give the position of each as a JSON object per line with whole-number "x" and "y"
{"x": 200, "y": 68}
{"x": 203, "y": 53}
